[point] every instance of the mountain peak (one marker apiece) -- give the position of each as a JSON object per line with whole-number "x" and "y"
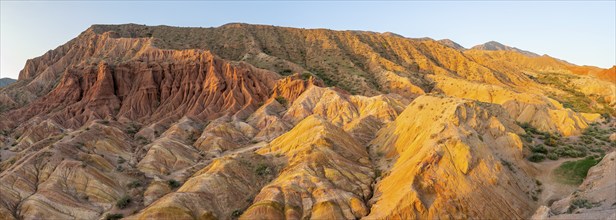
{"x": 6, "y": 81}
{"x": 493, "y": 45}
{"x": 452, "y": 44}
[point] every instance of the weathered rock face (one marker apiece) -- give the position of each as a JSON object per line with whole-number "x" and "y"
{"x": 160, "y": 86}
{"x": 41, "y": 74}
{"x": 165, "y": 122}
{"x": 607, "y": 75}
{"x": 326, "y": 175}
{"x": 67, "y": 176}
{"x": 542, "y": 112}
{"x": 218, "y": 191}
{"x": 449, "y": 154}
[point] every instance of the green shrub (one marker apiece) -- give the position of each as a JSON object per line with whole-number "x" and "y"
{"x": 527, "y": 138}
{"x": 173, "y": 183}
{"x": 306, "y": 76}
{"x": 123, "y": 202}
{"x": 569, "y": 151}
{"x": 508, "y": 165}
{"x": 132, "y": 129}
{"x": 536, "y": 157}
{"x": 286, "y": 72}
{"x": 378, "y": 172}
{"x": 587, "y": 139}
{"x": 281, "y": 100}
{"x": 527, "y": 127}
{"x": 606, "y": 117}
{"x": 551, "y": 141}
{"x": 134, "y": 184}
{"x": 114, "y": 216}
{"x": 598, "y": 150}
{"x": 236, "y": 213}
{"x": 540, "y": 148}
{"x": 581, "y": 203}
{"x": 262, "y": 169}
{"x": 552, "y": 156}
{"x": 142, "y": 140}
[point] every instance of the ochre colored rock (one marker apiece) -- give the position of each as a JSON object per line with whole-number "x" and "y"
{"x": 323, "y": 176}
{"x": 541, "y": 112}
{"x": 449, "y": 153}
{"x": 226, "y": 186}
{"x": 156, "y": 85}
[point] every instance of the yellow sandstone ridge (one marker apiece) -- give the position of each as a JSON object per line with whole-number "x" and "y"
{"x": 326, "y": 174}
{"x": 219, "y": 191}
{"x": 449, "y": 155}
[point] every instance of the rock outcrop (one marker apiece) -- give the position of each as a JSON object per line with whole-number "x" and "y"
{"x": 326, "y": 174}
{"x": 159, "y": 86}
{"x": 450, "y": 155}
{"x": 218, "y": 191}
{"x": 542, "y": 112}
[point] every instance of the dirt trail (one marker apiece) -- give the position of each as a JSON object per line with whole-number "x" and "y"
{"x": 552, "y": 189}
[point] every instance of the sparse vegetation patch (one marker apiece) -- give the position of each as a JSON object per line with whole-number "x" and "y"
{"x": 123, "y": 202}
{"x": 574, "y": 172}
{"x": 540, "y": 145}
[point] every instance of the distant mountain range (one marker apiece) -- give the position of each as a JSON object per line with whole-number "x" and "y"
{"x": 6, "y": 81}
{"x": 493, "y": 45}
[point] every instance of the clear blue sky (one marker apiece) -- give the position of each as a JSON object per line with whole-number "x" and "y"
{"x": 581, "y": 32}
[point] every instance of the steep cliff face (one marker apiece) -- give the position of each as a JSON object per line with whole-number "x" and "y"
{"x": 157, "y": 86}
{"x": 41, "y": 74}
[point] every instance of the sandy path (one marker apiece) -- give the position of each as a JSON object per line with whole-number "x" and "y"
{"x": 552, "y": 189}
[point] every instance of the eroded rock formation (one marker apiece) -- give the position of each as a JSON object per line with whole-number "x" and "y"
{"x": 262, "y": 122}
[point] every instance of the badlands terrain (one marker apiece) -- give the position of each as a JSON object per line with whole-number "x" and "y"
{"x": 261, "y": 122}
